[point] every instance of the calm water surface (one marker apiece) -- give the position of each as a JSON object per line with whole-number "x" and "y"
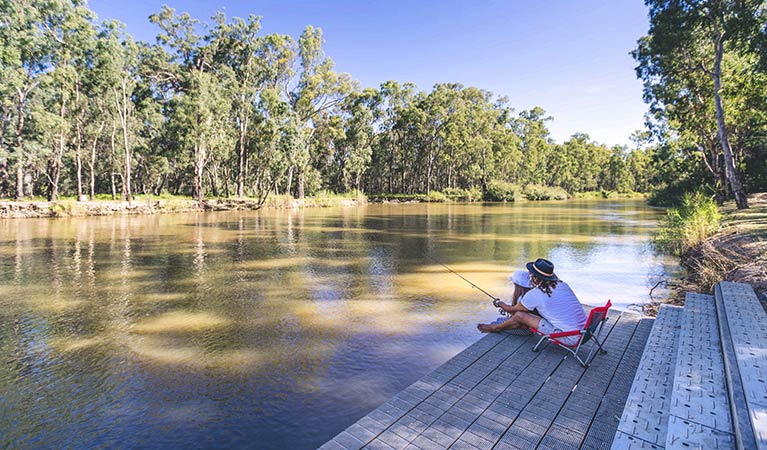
{"x": 273, "y": 329}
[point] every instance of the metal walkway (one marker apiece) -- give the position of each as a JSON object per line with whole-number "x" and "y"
{"x": 499, "y": 394}
{"x": 702, "y": 381}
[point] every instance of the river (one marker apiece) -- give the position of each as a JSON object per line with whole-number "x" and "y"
{"x": 272, "y": 329}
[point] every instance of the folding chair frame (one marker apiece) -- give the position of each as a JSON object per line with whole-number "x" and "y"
{"x": 590, "y": 331}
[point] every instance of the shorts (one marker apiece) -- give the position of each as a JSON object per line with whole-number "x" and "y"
{"x": 545, "y": 327}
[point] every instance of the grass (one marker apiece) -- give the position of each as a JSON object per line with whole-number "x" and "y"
{"x": 689, "y": 224}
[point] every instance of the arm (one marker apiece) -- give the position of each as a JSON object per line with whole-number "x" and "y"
{"x": 513, "y": 308}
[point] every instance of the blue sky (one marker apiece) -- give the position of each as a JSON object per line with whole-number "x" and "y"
{"x": 571, "y": 57}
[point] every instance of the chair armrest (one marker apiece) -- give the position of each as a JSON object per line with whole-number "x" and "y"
{"x": 565, "y": 333}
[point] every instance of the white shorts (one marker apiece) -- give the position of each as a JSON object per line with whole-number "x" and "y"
{"x": 545, "y": 327}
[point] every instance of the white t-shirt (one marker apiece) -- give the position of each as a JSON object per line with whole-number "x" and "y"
{"x": 562, "y": 309}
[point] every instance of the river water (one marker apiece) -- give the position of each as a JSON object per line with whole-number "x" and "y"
{"x": 271, "y": 329}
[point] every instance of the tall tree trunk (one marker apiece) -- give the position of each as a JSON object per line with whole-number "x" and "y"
{"x": 391, "y": 169}
{"x": 112, "y": 157}
{"x": 301, "y": 179}
{"x": 79, "y": 146}
{"x": 53, "y": 194}
{"x": 729, "y": 165}
{"x": 20, "y": 147}
{"x": 429, "y": 170}
{"x": 122, "y": 107}
{"x": 288, "y": 187}
{"x": 199, "y": 167}
{"x": 92, "y": 162}
{"x": 241, "y": 158}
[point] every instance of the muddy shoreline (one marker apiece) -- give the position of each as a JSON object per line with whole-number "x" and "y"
{"x": 31, "y": 209}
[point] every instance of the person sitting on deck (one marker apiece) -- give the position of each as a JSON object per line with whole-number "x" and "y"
{"x": 556, "y": 303}
{"x": 521, "y": 280}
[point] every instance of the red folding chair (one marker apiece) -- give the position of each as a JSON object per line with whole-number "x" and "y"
{"x": 591, "y": 330}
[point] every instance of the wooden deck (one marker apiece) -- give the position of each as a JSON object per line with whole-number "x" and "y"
{"x": 499, "y": 394}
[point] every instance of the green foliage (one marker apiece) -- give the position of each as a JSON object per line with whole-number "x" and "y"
{"x": 608, "y": 194}
{"x": 685, "y": 226}
{"x": 436, "y": 197}
{"x": 699, "y": 75}
{"x": 501, "y": 191}
{"x": 538, "y": 192}
{"x": 463, "y": 195}
{"x": 217, "y": 109}
{"x": 61, "y": 209}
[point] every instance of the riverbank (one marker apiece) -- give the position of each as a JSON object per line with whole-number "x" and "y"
{"x": 142, "y": 205}
{"x": 737, "y": 252}
{"x": 150, "y": 205}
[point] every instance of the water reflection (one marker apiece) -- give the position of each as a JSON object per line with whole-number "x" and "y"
{"x": 227, "y": 329}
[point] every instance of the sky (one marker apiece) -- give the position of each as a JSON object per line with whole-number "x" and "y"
{"x": 570, "y": 57}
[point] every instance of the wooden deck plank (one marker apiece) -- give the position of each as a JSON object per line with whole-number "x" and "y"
{"x": 545, "y": 393}
{"x": 568, "y": 427}
{"x": 748, "y": 330}
{"x": 448, "y": 399}
{"x": 604, "y": 424}
{"x": 645, "y": 416}
{"x": 574, "y": 419}
{"x": 495, "y": 394}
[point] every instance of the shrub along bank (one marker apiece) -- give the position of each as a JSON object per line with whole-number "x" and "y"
{"x": 716, "y": 244}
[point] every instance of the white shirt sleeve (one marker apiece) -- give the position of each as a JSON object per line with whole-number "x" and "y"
{"x": 531, "y": 300}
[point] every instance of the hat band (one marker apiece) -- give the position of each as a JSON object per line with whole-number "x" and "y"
{"x": 542, "y": 272}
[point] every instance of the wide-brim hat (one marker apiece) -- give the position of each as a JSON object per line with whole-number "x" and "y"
{"x": 521, "y": 278}
{"x": 543, "y": 269}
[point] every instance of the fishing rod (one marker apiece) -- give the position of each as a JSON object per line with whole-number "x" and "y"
{"x": 496, "y": 300}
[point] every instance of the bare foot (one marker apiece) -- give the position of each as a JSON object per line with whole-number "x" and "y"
{"x": 485, "y": 328}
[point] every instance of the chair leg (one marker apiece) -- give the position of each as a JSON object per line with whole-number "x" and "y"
{"x": 540, "y": 341}
{"x": 599, "y": 344}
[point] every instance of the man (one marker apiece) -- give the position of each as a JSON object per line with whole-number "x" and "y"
{"x": 556, "y": 303}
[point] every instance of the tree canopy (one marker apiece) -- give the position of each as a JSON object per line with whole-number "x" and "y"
{"x": 217, "y": 108}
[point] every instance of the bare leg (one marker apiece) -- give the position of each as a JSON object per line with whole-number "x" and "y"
{"x": 518, "y": 320}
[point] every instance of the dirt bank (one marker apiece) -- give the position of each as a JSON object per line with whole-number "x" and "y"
{"x": 738, "y": 252}
{"x": 20, "y": 210}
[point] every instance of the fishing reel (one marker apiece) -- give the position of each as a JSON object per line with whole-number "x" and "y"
{"x": 497, "y": 304}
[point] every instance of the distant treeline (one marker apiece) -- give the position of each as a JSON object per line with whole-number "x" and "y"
{"x": 218, "y": 109}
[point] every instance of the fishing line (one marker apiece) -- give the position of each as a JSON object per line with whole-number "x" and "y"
{"x": 496, "y": 300}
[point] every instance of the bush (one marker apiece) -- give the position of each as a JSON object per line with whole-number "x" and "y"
{"x": 436, "y": 196}
{"x": 327, "y": 199}
{"x": 501, "y": 191}
{"x": 463, "y": 195}
{"x": 689, "y": 224}
{"x": 607, "y": 195}
{"x": 538, "y": 192}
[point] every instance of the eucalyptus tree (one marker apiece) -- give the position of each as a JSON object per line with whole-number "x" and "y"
{"x": 506, "y": 145}
{"x": 68, "y": 24}
{"x": 387, "y": 153}
{"x": 319, "y": 90}
{"x": 536, "y": 145}
{"x": 238, "y": 52}
{"x": 201, "y": 102}
{"x": 359, "y": 134}
{"x": 692, "y": 37}
{"x": 118, "y": 67}
{"x": 25, "y": 54}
